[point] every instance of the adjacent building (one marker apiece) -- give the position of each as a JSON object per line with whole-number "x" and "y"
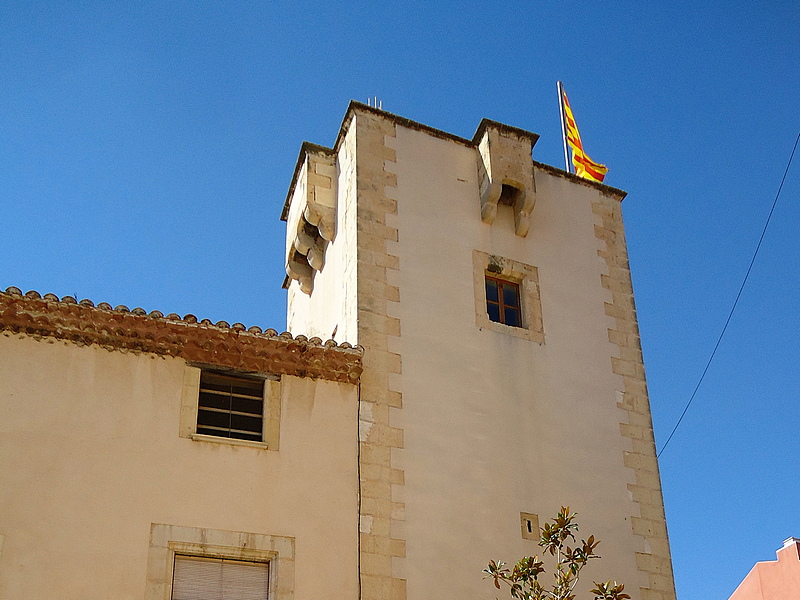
{"x": 774, "y": 579}
{"x": 482, "y": 368}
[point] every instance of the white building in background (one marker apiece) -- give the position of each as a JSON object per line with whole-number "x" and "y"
{"x": 483, "y": 368}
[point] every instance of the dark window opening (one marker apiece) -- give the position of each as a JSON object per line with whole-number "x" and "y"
{"x": 312, "y": 231}
{"x": 508, "y": 195}
{"x": 230, "y": 406}
{"x": 302, "y": 259}
{"x": 502, "y": 302}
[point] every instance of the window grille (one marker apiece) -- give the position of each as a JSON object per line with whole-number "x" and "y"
{"x": 231, "y": 406}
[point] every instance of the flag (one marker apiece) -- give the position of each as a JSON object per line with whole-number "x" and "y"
{"x": 584, "y": 166}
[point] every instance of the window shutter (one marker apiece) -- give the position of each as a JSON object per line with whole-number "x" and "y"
{"x": 199, "y": 578}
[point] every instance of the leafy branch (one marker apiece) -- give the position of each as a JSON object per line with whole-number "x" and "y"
{"x": 524, "y": 581}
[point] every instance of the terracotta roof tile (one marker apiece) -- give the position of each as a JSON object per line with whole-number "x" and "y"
{"x": 233, "y": 346}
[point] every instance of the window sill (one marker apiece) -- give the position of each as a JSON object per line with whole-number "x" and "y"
{"x": 199, "y": 437}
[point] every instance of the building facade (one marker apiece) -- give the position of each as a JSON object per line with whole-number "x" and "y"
{"x": 482, "y": 369}
{"x": 111, "y": 472}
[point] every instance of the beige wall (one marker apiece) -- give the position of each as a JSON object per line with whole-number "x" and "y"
{"x": 496, "y": 424}
{"x": 90, "y": 457}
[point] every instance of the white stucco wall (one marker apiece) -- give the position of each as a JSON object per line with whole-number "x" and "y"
{"x": 90, "y": 456}
{"x": 332, "y": 307}
{"x": 495, "y": 424}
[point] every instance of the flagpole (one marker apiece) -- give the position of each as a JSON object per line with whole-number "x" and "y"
{"x": 563, "y": 124}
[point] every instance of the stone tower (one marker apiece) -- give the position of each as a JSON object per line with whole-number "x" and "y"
{"x": 503, "y": 373}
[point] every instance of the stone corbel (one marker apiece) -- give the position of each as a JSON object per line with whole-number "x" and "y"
{"x": 310, "y": 243}
{"x": 506, "y": 172}
{"x": 310, "y": 215}
{"x": 297, "y": 268}
{"x": 320, "y": 209}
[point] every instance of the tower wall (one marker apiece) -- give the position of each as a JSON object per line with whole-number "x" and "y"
{"x": 466, "y": 423}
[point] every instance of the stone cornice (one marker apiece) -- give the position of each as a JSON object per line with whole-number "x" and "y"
{"x": 231, "y": 346}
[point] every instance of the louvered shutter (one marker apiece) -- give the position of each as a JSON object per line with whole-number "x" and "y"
{"x": 199, "y": 578}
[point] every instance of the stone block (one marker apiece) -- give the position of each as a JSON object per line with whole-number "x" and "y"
{"x": 640, "y": 419}
{"x": 640, "y": 494}
{"x": 381, "y": 527}
{"x": 376, "y": 489}
{"x": 615, "y": 311}
{"x": 397, "y": 477}
{"x": 623, "y": 367}
{"x": 375, "y": 544}
{"x": 648, "y": 479}
{"x": 376, "y": 587}
{"x": 369, "y": 270}
{"x": 398, "y": 589}
{"x": 372, "y": 472}
{"x": 376, "y": 455}
{"x": 397, "y": 548}
{"x": 395, "y": 399}
{"x": 641, "y": 462}
{"x": 654, "y": 513}
{"x": 398, "y": 511}
{"x": 376, "y": 507}
{"x": 374, "y": 386}
{"x": 376, "y": 564}
{"x": 392, "y": 326}
{"x": 631, "y": 431}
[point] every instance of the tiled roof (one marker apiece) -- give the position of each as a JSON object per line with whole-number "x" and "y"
{"x": 233, "y": 346}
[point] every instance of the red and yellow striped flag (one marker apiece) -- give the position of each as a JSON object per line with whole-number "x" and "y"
{"x": 584, "y": 166}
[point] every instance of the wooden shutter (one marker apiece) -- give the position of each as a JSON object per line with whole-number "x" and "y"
{"x": 200, "y": 578}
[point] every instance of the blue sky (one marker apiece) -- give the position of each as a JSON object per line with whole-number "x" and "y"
{"x": 146, "y": 149}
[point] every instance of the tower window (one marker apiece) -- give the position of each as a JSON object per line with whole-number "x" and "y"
{"x": 502, "y": 301}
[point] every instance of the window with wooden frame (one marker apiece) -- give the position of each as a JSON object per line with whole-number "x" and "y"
{"x": 507, "y": 297}
{"x": 503, "y": 301}
{"x": 231, "y": 406}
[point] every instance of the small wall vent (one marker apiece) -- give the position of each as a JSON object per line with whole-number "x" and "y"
{"x": 530, "y": 526}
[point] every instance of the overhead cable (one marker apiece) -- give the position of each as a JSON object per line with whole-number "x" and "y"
{"x": 736, "y": 301}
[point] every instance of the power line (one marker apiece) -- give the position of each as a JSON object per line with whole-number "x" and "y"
{"x": 735, "y": 302}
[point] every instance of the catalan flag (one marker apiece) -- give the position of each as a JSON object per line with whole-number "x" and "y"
{"x": 584, "y": 166}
